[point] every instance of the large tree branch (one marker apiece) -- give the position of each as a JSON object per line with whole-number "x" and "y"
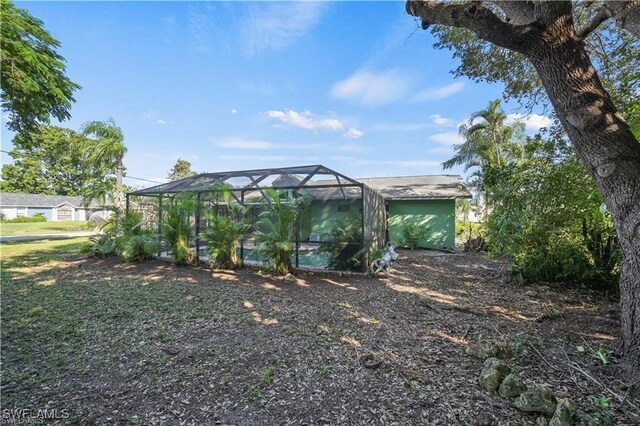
{"x": 477, "y": 18}
{"x": 517, "y": 12}
{"x": 602, "y": 15}
{"x": 626, "y": 15}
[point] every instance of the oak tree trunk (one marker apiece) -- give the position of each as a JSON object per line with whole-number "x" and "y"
{"x": 609, "y": 151}
{"x": 544, "y": 32}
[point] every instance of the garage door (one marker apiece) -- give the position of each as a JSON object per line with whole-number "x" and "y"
{"x": 65, "y": 213}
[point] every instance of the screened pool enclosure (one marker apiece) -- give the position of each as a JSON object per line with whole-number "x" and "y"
{"x": 341, "y": 222}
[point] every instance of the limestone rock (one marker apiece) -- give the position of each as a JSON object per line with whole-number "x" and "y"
{"x": 493, "y": 373}
{"x": 511, "y": 386}
{"x": 481, "y": 350}
{"x": 564, "y": 411}
{"x": 290, "y": 277}
{"x": 537, "y": 398}
{"x": 541, "y": 421}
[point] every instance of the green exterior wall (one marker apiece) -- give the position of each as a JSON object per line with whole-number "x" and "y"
{"x": 438, "y": 216}
{"x": 322, "y": 214}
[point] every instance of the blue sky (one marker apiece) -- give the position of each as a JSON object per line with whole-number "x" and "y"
{"x": 234, "y": 85}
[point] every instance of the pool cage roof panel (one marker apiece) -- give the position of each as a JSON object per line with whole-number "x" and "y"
{"x": 255, "y": 180}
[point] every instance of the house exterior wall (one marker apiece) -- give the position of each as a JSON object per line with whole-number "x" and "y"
{"x": 324, "y": 213}
{"x": 438, "y": 216}
{"x": 9, "y": 212}
{"x": 47, "y": 211}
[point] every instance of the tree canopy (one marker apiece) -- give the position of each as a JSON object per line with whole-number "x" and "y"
{"x": 50, "y": 161}
{"x": 105, "y": 148}
{"x": 32, "y": 72}
{"x": 180, "y": 170}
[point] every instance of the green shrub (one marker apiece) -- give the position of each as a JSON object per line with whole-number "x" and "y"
{"x": 412, "y": 235}
{"x": 36, "y": 218}
{"x": 138, "y": 247}
{"x": 104, "y": 245}
{"x": 278, "y": 226}
{"x": 345, "y": 246}
{"x": 227, "y": 225}
{"x": 222, "y": 236}
{"x": 177, "y": 229}
{"x": 547, "y": 218}
{"x": 125, "y": 236}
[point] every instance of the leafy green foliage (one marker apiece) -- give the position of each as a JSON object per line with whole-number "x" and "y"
{"x": 125, "y": 236}
{"x": 180, "y": 170}
{"x": 278, "y": 226}
{"x": 412, "y": 234}
{"x": 602, "y": 416}
{"x": 267, "y": 374}
{"x": 32, "y": 72}
{"x": 488, "y": 142}
{"x": 345, "y": 246}
{"x": 600, "y": 354}
{"x": 106, "y": 150}
{"x": 177, "y": 228}
{"x": 50, "y": 160}
{"x": 38, "y": 217}
{"x": 614, "y": 52}
{"x": 227, "y": 225}
{"x": 138, "y": 247}
{"x": 546, "y": 217}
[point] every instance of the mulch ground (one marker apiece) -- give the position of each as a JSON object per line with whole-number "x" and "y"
{"x": 117, "y": 343}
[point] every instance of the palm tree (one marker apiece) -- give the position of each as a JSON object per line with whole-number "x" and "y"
{"x": 107, "y": 146}
{"x": 488, "y": 142}
{"x": 278, "y": 226}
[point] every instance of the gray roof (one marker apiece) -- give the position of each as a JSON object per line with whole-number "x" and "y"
{"x": 428, "y": 187}
{"x": 10, "y": 199}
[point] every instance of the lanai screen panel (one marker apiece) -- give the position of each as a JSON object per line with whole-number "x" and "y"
{"x": 331, "y": 195}
{"x": 375, "y": 220}
{"x": 252, "y": 180}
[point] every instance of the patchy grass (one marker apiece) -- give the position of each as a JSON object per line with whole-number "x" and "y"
{"x": 124, "y": 343}
{"x": 11, "y": 229}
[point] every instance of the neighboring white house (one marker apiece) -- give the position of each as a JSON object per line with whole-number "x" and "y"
{"x": 54, "y": 207}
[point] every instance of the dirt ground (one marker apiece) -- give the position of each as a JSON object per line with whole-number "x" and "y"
{"x": 117, "y": 343}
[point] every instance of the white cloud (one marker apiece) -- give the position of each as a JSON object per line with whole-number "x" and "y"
{"x": 261, "y": 145}
{"x": 442, "y": 121}
{"x": 372, "y": 88}
{"x": 234, "y": 111}
{"x": 533, "y": 122}
{"x": 237, "y": 143}
{"x": 161, "y": 122}
{"x": 446, "y": 138}
{"x": 306, "y": 120}
{"x": 435, "y": 93}
{"x": 277, "y": 25}
{"x": 354, "y": 133}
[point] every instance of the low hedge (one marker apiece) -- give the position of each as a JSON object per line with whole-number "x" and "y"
{"x": 38, "y": 217}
